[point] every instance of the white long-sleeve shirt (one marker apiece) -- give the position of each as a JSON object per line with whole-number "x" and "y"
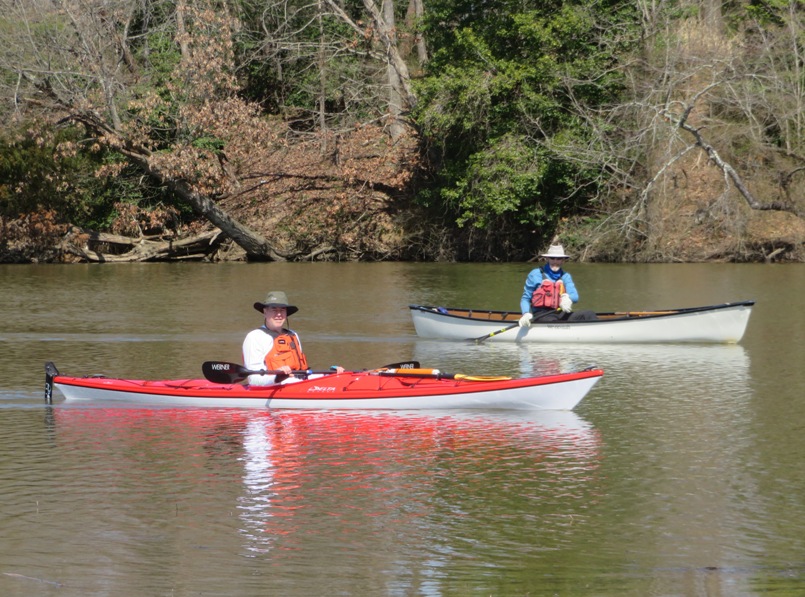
{"x": 256, "y": 346}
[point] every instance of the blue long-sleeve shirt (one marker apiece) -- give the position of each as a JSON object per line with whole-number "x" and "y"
{"x": 535, "y": 278}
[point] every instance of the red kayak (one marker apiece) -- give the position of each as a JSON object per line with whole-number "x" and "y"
{"x": 387, "y": 388}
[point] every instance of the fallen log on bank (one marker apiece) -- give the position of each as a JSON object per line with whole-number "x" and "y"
{"x": 102, "y": 247}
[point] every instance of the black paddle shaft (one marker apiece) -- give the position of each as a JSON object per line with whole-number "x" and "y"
{"x": 223, "y": 372}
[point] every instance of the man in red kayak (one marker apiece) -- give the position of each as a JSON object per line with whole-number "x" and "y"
{"x": 549, "y": 292}
{"x": 273, "y": 346}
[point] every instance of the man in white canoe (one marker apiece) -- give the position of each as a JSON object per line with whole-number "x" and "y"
{"x": 549, "y": 292}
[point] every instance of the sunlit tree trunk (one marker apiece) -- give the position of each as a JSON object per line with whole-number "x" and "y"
{"x": 421, "y": 48}
{"x": 181, "y": 29}
{"x": 712, "y": 16}
{"x": 396, "y": 127}
{"x": 322, "y": 80}
{"x": 399, "y": 78}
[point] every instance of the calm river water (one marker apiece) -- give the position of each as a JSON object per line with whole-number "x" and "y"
{"x": 681, "y": 473}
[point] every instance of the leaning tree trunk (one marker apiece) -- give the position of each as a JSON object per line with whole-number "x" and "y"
{"x": 256, "y": 246}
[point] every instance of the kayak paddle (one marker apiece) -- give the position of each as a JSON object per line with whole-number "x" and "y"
{"x": 223, "y": 372}
{"x": 50, "y": 373}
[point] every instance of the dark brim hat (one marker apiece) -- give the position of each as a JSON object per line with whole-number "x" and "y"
{"x": 276, "y": 298}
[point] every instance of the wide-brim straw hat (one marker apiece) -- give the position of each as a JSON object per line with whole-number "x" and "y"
{"x": 556, "y": 251}
{"x": 276, "y": 298}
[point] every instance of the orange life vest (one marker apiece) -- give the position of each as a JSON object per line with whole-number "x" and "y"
{"x": 286, "y": 351}
{"x": 548, "y": 294}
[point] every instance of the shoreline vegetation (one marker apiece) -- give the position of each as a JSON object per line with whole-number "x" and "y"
{"x": 352, "y": 131}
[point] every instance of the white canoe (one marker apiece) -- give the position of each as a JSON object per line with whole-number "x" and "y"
{"x": 723, "y": 324}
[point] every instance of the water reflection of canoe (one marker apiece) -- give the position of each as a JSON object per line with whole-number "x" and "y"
{"x": 403, "y": 389}
{"x": 725, "y": 323}
{"x": 721, "y": 361}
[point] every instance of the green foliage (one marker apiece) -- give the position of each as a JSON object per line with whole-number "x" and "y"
{"x": 40, "y": 173}
{"x": 509, "y": 88}
{"x": 504, "y": 80}
{"x": 160, "y": 55}
{"x": 771, "y": 12}
{"x": 211, "y": 144}
{"x": 32, "y": 178}
{"x": 501, "y": 179}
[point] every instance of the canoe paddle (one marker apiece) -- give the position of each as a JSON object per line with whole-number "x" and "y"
{"x": 223, "y": 372}
{"x": 514, "y": 325}
{"x": 495, "y": 333}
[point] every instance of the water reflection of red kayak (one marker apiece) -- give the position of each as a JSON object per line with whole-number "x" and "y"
{"x": 295, "y": 480}
{"x": 297, "y": 434}
{"x": 402, "y": 389}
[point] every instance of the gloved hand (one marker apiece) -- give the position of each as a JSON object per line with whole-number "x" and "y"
{"x": 525, "y": 320}
{"x": 565, "y": 304}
